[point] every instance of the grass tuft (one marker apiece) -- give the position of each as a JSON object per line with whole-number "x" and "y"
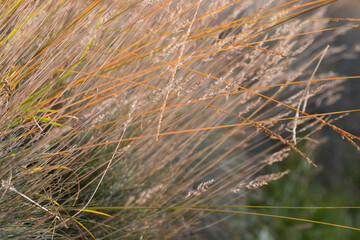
{"x": 141, "y": 119}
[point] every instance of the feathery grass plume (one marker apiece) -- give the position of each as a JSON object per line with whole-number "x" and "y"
{"x": 149, "y": 108}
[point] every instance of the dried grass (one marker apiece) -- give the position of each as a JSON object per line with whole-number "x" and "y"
{"x": 154, "y": 106}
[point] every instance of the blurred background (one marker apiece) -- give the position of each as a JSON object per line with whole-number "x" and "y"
{"x": 336, "y": 180}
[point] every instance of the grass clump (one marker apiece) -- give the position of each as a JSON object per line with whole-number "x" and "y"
{"x": 130, "y": 119}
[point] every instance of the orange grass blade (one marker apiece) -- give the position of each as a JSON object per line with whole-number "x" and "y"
{"x": 188, "y": 130}
{"x": 80, "y": 224}
{"x": 92, "y": 211}
{"x": 227, "y": 211}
